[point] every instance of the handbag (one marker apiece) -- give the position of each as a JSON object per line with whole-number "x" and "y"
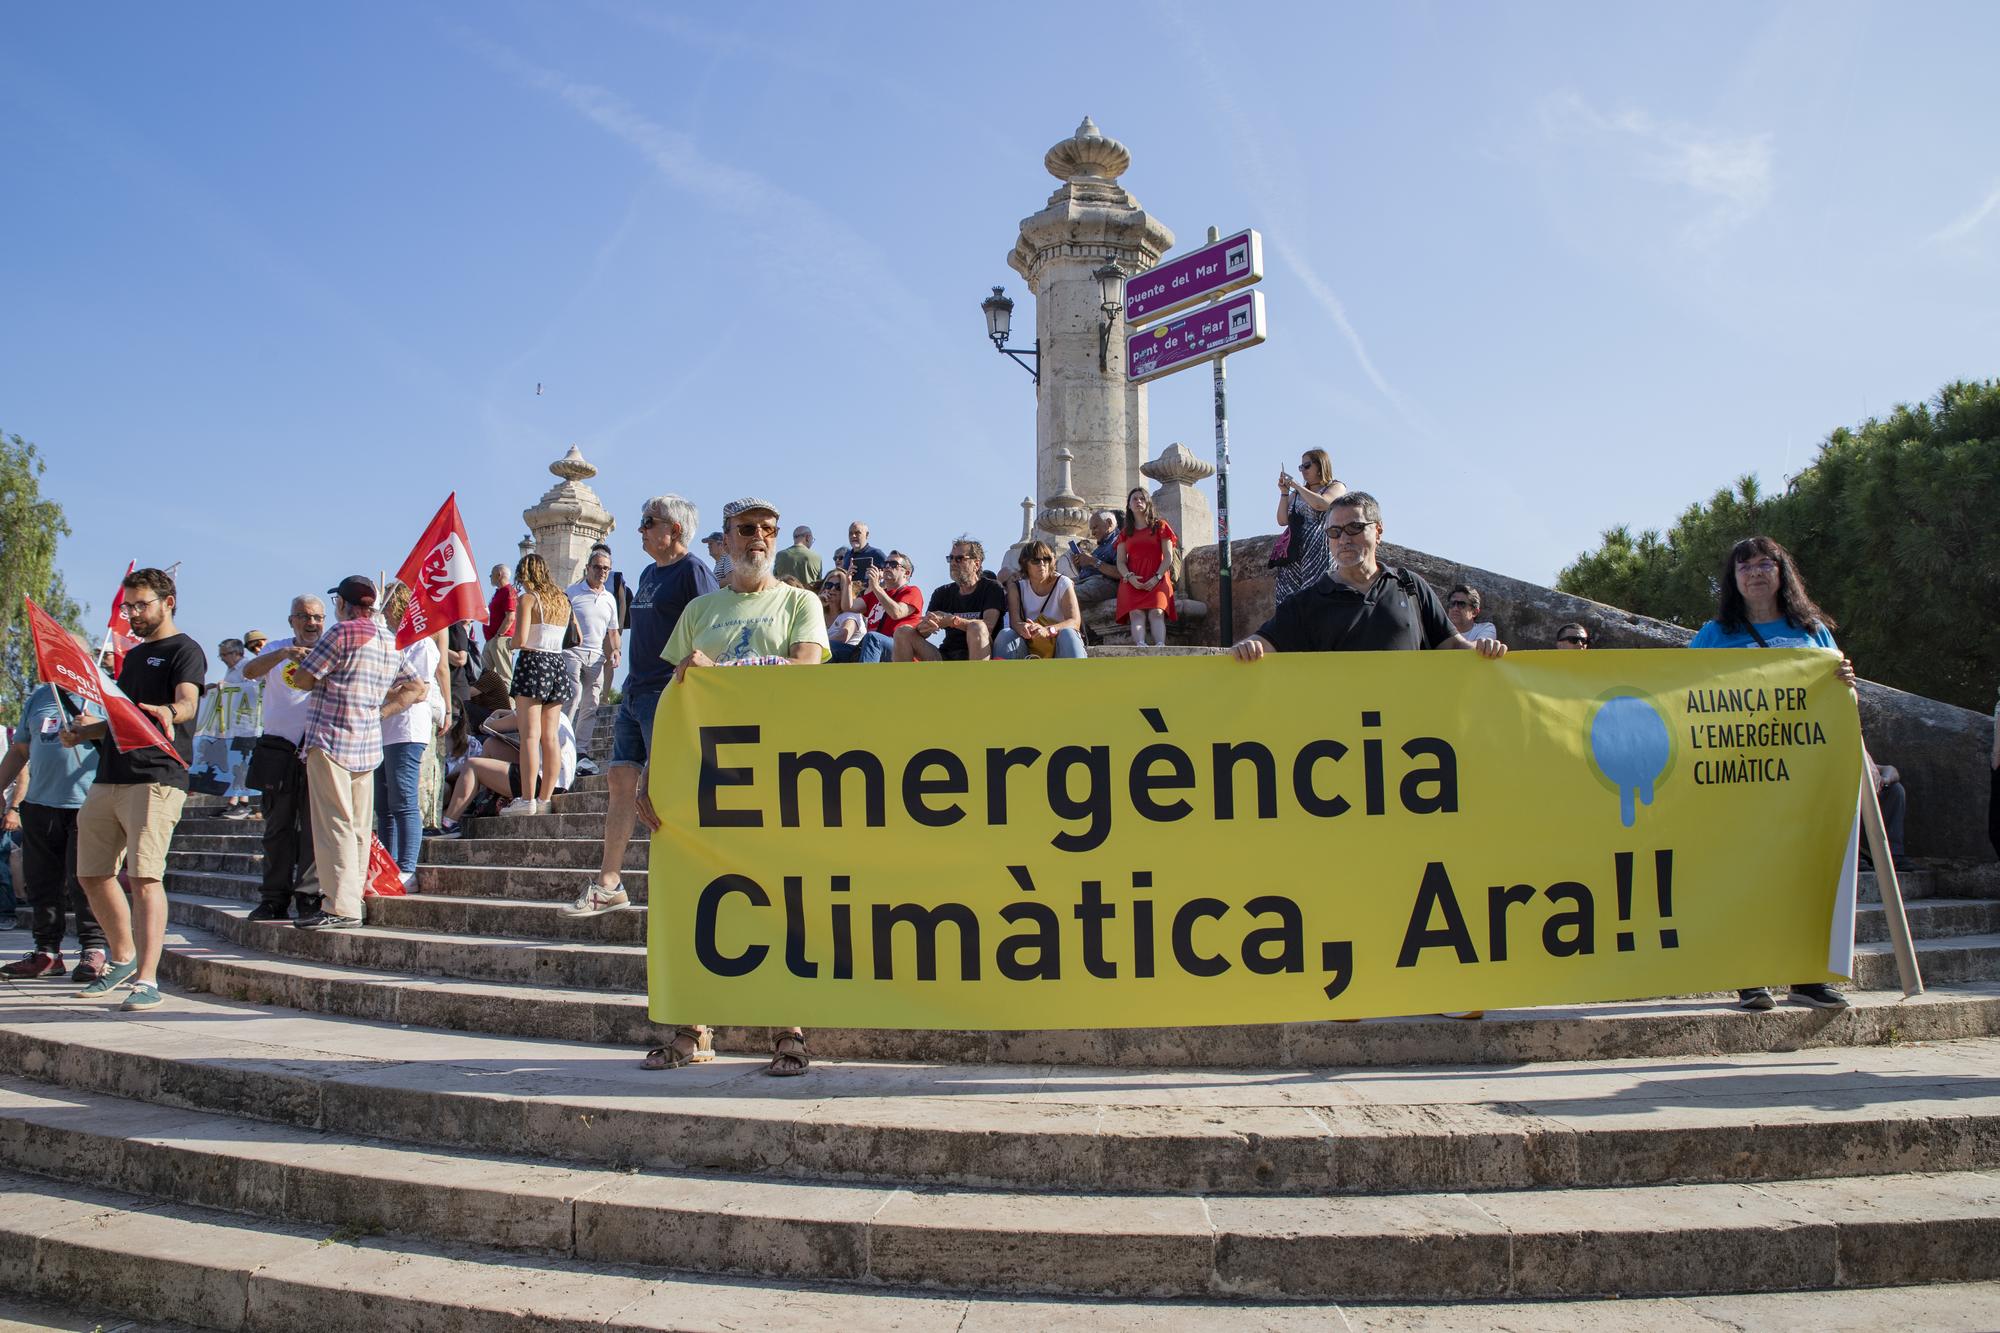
{"x": 274, "y": 766}
{"x": 572, "y": 636}
{"x": 1286, "y": 550}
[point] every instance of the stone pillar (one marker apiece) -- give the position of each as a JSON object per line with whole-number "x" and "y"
{"x": 569, "y": 519}
{"x": 1081, "y": 407}
{"x": 1178, "y": 501}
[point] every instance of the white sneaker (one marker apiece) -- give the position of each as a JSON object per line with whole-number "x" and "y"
{"x": 520, "y": 805}
{"x": 596, "y": 899}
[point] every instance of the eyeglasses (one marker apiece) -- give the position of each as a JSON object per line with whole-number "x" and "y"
{"x": 898, "y": 566}
{"x": 954, "y": 559}
{"x": 600, "y": 569}
{"x": 752, "y": 529}
{"x": 1583, "y": 639}
{"x": 1041, "y": 560}
{"x": 1305, "y": 463}
{"x": 129, "y": 607}
{"x": 1354, "y": 529}
{"x": 1460, "y": 604}
{"x": 1764, "y": 566}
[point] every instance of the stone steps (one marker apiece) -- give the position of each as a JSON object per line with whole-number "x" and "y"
{"x": 1482, "y": 1243}
{"x": 247, "y": 962}
{"x": 1742, "y": 1119}
{"x": 621, "y": 968}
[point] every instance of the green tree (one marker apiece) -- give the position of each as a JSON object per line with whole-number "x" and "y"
{"x": 30, "y": 526}
{"x": 1893, "y": 525}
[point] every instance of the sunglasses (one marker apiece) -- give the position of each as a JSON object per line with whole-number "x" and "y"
{"x": 1354, "y": 529}
{"x": 1573, "y": 638}
{"x": 1460, "y": 604}
{"x": 753, "y": 529}
{"x": 1041, "y": 560}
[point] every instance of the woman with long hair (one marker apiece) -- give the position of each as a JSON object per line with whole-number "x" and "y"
{"x": 1043, "y": 619}
{"x": 542, "y": 684}
{"x": 1302, "y": 507}
{"x": 1145, "y": 571}
{"x": 1763, "y": 603}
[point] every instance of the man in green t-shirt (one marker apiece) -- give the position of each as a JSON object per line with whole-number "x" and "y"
{"x": 753, "y": 620}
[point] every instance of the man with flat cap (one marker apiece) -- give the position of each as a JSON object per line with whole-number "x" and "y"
{"x": 356, "y": 678}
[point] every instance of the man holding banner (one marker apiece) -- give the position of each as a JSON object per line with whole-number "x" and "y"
{"x": 142, "y": 782}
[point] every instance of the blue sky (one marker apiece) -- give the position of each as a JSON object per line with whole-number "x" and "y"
{"x": 277, "y": 279}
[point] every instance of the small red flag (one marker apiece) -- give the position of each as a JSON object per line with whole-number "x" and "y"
{"x": 442, "y": 578}
{"x": 61, "y": 662}
{"x": 118, "y": 635}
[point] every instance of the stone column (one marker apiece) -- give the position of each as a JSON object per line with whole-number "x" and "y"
{"x": 1178, "y": 500}
{"x": 1090, "y": 411}
{"x": 569, "y": 519}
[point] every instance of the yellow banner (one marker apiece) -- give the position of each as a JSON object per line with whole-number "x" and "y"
{"x": 1176, "y": 841}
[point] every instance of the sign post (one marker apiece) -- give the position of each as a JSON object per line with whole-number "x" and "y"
{"x": 1223, "y": 325}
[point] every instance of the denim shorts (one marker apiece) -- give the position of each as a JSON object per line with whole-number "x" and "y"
{"x": 632, "y": 732}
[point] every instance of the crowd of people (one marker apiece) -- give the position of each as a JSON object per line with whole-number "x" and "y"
{"x": 342, "y": 740}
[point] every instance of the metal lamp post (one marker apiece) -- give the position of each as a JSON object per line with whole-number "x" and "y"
{"x": 999, "y": 309}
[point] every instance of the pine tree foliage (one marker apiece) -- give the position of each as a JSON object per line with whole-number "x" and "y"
{"x": 1896, "y": 526}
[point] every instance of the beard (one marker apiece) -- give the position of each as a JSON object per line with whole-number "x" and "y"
{"x": 756, "y": 567}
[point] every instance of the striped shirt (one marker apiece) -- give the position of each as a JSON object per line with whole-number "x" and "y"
{"x": 356, "y": 664}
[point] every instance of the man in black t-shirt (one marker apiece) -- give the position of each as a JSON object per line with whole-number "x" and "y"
{"x": 1363, "y": 605}
{"x": 131, "y": 809}
{"x": 968, "y": 610}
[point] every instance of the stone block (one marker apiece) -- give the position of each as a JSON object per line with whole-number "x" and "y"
{"x": 774, "y": 1228}
{"x": 1097, "y": 1245}
{"x": 1429, "y": 1247}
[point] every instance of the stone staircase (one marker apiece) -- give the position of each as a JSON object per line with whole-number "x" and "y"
{"x": 438, "y": 1121}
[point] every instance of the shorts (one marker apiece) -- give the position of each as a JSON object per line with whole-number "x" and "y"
{"x": 542, "y": 677}
{"x": 514, "y": 781}
{"x": 632, "y": 731}
{"x": 127, "y": 821}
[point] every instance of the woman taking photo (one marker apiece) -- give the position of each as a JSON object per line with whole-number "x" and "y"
{"x": 1764, "y": 604}
{"x": 1302, "y": 507}
{"x": 542, "y": 685}
{"x": 1145, "y": 561}
{"x": 1043, "y": 619}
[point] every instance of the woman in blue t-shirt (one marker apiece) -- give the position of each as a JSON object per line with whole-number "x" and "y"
{"x": 1764, "y": 604}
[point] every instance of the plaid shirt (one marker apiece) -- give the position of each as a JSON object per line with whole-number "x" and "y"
{"x": 356, "y": 664}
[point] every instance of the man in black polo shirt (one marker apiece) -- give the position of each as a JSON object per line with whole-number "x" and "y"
{"x": 1363, "y": 605}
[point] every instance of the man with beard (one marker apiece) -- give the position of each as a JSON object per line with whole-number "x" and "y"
{"x": 136, "y": 798}
{"x": 755, "y": 621}
{"x": 278, "y": 770}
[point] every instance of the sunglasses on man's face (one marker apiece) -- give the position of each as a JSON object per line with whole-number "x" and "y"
{"x": 752, "y": 529}
{"x": 1573, "y": 638}
{"x": 1460, "y": 604}
{"x": 1354, "y": 529}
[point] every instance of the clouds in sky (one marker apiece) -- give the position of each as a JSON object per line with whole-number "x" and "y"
{"x": 1966, "y": 224}
{"x": 1725, "y": 179}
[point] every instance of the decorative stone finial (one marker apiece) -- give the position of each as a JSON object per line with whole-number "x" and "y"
{"x": 1027, "y": 519}
{"x": 1087, "y": 154}
{"x": 1177, "y": 463}
{"x": 572, "y": 467}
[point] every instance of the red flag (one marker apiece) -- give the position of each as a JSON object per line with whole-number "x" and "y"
{"x": 62, "y": 663}
{"x": 118, "y": 635}
{"x": 442, "y": 578}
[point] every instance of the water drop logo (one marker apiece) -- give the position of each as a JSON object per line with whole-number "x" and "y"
{"x": 1631, "y": 750}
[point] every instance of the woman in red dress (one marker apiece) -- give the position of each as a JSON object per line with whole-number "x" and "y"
{"x": 1145, "y": 559}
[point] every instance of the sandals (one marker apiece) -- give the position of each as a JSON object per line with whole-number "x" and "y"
{"x": 700, "y": 1050}
{"x": 789, "y": 1057}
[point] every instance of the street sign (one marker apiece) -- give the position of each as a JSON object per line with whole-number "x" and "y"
{"x": 1228, "y": 326}
{"x": 1218, "y": 267}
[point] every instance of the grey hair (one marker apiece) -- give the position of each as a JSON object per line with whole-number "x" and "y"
{"x": 675, "y": 509}
{"x": 1106, "y": 515}
{"x": 306, "y": 599}
{"x": 1371, "y": 509}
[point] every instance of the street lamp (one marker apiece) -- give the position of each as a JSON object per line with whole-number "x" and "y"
{"x": 999, "y": 309}
{"x": 1111, "y": 300}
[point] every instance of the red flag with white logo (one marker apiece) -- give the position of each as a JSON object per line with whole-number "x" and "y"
{"x": 63, "y": 663}
{"x": 442, "y": 578}
{"x": 118, "y": 635}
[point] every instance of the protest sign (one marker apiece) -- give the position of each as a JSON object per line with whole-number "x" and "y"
{"x": 1199, "y": 841}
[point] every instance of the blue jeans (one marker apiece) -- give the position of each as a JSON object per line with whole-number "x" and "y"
{"x": 632, "y": 729}
{"x": 872, "y": 648}
{"x": 1011, "y": 647}
{"x": 397, "y": 821}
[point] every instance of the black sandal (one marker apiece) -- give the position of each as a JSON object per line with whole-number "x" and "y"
{"x": 789, "y": 1063}
{"x": 701, "y": 1049}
